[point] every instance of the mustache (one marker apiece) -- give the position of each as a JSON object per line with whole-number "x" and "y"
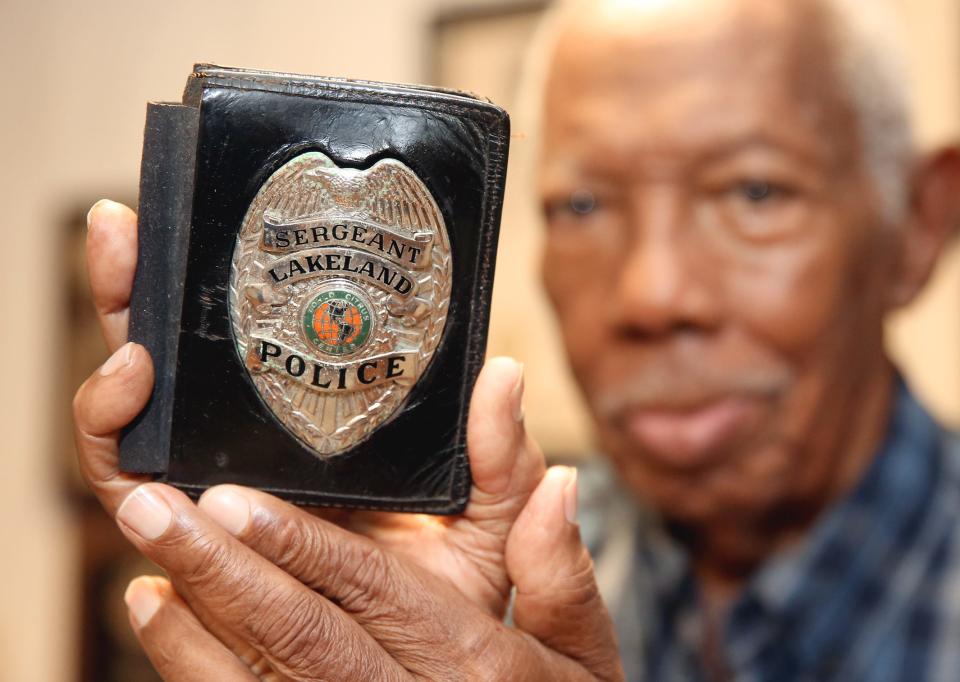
{"x": 662, "y": 388}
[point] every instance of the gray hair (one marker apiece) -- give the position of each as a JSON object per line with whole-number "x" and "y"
{"x": 872, "y": 68}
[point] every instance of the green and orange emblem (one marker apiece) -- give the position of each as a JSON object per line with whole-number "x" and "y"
{"x": 337, "y": 321}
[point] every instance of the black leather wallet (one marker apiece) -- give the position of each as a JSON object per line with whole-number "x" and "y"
{"x": 316, "y": 260}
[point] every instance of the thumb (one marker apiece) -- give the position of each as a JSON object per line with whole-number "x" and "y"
{"x": 557, "y": 599}
{"x": 505, "y": 463}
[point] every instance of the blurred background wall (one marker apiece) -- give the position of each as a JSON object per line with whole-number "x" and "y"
{"x": 75, "y": 80}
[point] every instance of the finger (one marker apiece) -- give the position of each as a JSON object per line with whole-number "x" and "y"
{"x": 246, "y": 601}
{"x": 353, "y": 566}
{"x": 557, "y": 599}
{"x": 364, "y": 521}
{"x": 395, "y": 602}
{"x": 106, "y": 402}
{"x": 292, "y": 539}
{"x": 111, "y": 263}
{"x": 175, "y": 641}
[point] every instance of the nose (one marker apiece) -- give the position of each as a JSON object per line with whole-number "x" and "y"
{"x": 663, "y": 286}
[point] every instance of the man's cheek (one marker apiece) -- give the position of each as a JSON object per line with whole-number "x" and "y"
{"x": 586, "y": 326}
{"x": 791, "y": 307}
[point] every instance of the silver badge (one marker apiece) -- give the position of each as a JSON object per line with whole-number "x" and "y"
{"x": 339, "y": 291}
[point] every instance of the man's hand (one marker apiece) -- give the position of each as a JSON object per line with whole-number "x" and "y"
{"x": 292, "y": 596}
{"x": 467, "y": 550}
{"x": 390, "y": 594}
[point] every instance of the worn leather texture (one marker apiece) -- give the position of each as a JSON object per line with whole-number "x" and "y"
{"x": 203, "y": 163}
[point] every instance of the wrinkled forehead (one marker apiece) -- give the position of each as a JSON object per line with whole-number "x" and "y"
{"x": 683, "y": 75}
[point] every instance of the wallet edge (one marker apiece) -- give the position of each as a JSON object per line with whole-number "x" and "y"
{"x": 163, "y": 225}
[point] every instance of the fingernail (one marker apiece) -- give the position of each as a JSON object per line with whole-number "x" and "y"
{"x": 570, "y": 497}
{"x": 119, "y": 359}
{"x": 516, "y": 396}
{"x": 145, "y": 513}
{"x": 228, "y": 508}
{"x": 143, "y": 600}
{"x": 94, "y": 207}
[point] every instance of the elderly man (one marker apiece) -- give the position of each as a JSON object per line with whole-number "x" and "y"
{"x": 733, "y": 207}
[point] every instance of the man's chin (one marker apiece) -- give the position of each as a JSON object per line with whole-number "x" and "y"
{"x": 689, "y": 439}
{"x": 744, "y": 480}
{"x": 682, "y": 497}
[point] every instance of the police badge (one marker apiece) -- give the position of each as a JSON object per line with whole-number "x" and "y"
{"x": 314, "y": 276}
{"x": 339, "y": 291}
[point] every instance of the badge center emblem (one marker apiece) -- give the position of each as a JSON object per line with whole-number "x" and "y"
{"x": 337, "y": 321}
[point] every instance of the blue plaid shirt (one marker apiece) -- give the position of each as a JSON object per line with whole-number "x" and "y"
{"x": 871, "y": 594}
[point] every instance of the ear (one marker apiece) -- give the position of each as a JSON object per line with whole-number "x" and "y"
{"x": 933, "y": 220}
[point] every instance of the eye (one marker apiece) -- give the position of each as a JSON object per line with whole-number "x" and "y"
{"x": 582, "y": 202}
{"x": 576, "y": 206}
{"x": 760, "y": 191}
{"x": 761, "y": 210}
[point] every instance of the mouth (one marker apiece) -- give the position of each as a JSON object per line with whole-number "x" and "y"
{"x": 690, "y": 436}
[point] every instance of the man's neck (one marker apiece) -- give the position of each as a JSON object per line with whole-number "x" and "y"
{"x": 728, "y": 550}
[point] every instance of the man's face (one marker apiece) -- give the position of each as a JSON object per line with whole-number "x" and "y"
{"x": 713, "y": 253}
